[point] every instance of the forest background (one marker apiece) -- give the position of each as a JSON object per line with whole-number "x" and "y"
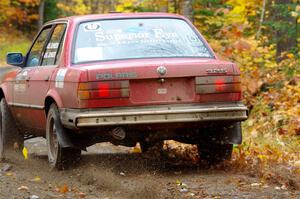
{"x": 261, "y": 36}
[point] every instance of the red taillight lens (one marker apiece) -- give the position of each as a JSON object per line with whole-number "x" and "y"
{"x": 103, "y": 90}
{"x": 108, "y": 89}
{"x": 219, "y": 84}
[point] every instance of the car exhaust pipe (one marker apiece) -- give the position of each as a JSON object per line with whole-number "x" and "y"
{"x": 118, "y": 133}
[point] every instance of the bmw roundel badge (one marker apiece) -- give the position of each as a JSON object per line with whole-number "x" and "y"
{"x": 161, "y": 70}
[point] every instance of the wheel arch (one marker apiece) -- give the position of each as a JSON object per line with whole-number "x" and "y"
{"x": 1, "y": 94}
{"x": 4, "y": 92}
{"x": 52, "y": 97}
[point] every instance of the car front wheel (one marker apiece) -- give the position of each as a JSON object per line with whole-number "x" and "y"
{"x": 11, "y": 139}
{"x": 58, "y": 156}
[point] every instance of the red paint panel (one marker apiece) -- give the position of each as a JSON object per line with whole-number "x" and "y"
{"x": 172, "y": 90}
{"x": 219, "y": 97}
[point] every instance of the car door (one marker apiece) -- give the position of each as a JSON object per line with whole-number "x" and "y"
{"x": 22, "y": 107}
{"x": 39, "y": 76}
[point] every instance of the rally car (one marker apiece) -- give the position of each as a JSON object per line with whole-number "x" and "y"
{"x": 124, "y": 79}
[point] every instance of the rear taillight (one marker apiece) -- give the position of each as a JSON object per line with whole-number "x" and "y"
{"x": 218, "y": 84}
{"x": 105, "y": 89}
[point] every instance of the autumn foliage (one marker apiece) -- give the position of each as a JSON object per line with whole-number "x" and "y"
{"x": 263, "y": 39}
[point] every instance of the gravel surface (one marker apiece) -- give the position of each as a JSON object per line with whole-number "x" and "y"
{"x": 107, "y": 171}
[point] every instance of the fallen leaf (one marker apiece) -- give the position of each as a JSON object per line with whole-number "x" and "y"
{"x": 25, "y": 153}
{"x": 9, "y": 174}
{"x": 63, "y": 189}
{"x": 81, "y": 195}
{"x": 191, "y": 194}
{"x": 297, "y": 164}
{"x": 255, "y": 184}
{"x": 23, "y": 188}
{"x": 136, "y": 150}
{"x": 36, "y": 179}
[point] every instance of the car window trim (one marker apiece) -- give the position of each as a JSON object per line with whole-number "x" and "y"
{"x": 48, "y": 40}
{"x": 107, "y": 19}
{"x": 40, "y": 31}
{"x": 35, "y": 39}
{"x": 45, "y": 46}
{"x": 60, "y": 42}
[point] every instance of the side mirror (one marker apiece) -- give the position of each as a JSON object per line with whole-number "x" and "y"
{"x": 15, "y": 59}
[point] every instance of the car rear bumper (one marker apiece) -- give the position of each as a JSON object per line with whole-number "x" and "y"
{"x": 80, "y": 118}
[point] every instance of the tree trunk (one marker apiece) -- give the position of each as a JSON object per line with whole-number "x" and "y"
{"x": 41, "y": 13}
{"x": 187, "y": 9}
{"x": 285, "y": 41}
{"x": 164, "y": 6}
{"x": 262, "y": 15}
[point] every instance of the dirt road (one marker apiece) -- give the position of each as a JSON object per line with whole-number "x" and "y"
{"x": 108, "y": 171}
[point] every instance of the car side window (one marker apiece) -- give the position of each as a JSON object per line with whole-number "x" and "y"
{"x": 35, "y": 53}
{"x": 53, "y": 49}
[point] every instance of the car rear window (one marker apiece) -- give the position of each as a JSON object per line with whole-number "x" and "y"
{"x": 137, "y": 38}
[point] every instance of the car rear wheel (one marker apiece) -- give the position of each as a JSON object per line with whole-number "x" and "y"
{"x": 11, "y": 139}
{"x": 58, "y": 156}
{"x": 214, "y": 153}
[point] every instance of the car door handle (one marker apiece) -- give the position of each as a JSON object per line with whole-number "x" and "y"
{"x": 27, "y": 79}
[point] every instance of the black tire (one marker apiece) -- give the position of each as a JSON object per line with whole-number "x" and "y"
{"x": 213, "y": 153}
{"x": 58, "y": 157}
{"x": 149, "y": 146}
{"x": 11, "y": 139}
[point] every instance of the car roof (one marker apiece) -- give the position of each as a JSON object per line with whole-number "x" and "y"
{"x": 81, "y": 18}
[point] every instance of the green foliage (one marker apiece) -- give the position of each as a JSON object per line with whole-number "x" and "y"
{"x": 51, "y": 10}
{"x": 283, "y": 21}
{"x": 271, "y": 80}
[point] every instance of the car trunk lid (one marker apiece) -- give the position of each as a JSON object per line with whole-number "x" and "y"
{"x": 160, "y": 81}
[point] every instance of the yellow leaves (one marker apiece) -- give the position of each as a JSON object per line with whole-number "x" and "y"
{"x": 36, "y": 179}
{"x": 33, "y": 17}
{"x": 63, "y": 7}
{"x": 9, "y": 174}
{"x": 77, "y": 7}
{"x": 297, "y": 165}
{"x": 80, "y": 7}
{"x": 4, "y": 3}
{"x": 242, "y": 9}
{"x": 294, "y": 14}
{"x": 254, "y": 133}
{"x": 25, "y": 153}
{"x": 30, "y": 2}
{"x": 136, "y": 150}
{"x": 290, "y": 55}
{"x": 126, "y": 6}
